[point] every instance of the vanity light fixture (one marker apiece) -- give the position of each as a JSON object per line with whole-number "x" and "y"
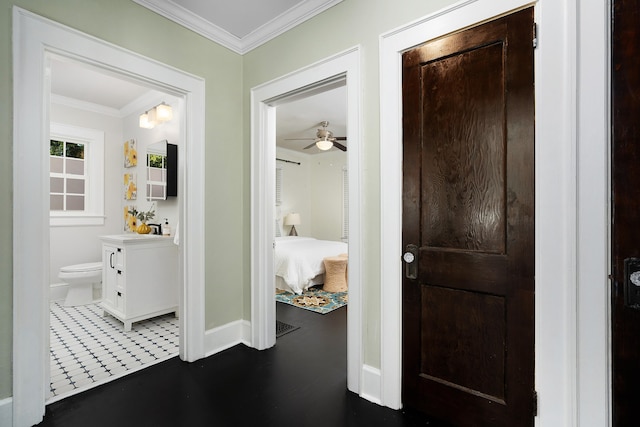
{"x": 159, "y": 114}
{"x": 164, "y": 113}
{"x": 144, "y": 121}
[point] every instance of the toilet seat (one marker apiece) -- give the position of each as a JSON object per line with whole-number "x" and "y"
{"x": 81, "y": 271}
{"x": 79, "y": 268}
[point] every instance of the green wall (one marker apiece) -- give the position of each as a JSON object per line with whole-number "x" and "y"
{"x": 124, "y": 23}
{"x": 350, "y": 23}
{"x": 229, "y": 79}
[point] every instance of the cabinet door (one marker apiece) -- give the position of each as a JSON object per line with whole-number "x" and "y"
{"x": 108, "y": 275}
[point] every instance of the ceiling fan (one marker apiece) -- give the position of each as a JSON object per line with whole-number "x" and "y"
{"x": 325, "y": 140}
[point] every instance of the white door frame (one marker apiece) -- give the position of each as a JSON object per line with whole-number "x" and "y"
{"x": 572, "y": 262}
{"x": 34, "y": 38}
{"x": 263, "y": 153}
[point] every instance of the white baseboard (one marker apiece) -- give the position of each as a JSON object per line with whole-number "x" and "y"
{"x": 226, "y": 336}
{"x": 371, "y": 384}
{"x": 6, "y": 412}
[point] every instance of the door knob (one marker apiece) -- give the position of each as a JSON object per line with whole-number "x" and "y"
{"x": 410, "y": 258}
{"x": 632, "y": 283}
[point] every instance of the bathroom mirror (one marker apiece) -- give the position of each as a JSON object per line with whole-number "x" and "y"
{"x": 162, "y": 170}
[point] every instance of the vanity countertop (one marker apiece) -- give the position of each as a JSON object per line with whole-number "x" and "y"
{"x": 133, "y": 238}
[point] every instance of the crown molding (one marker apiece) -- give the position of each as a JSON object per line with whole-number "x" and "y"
{"x": 193, "y": 22}
{"x": 291, "y": 18}
{"x": 138, "y": 105}
{"x": 144, "y": 102}
{"x": 85, "y": 106}
{"x": 284, "y": 22}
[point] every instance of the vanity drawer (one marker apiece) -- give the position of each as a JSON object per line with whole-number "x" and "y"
{"x": 120, "y": 300}
{"x": 120, "y": 280}
{"x": 119, "y": 258}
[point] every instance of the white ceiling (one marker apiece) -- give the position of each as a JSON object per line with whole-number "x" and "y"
{"x": 92, "y": 88}
{"x": 86, "y": 84}
{"x": 237, "y": 17}
{"x": 301, "y": 119}
{"x": 240, "y": 25}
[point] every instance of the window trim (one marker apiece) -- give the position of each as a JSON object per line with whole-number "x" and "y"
{"x": 94, "y": 186}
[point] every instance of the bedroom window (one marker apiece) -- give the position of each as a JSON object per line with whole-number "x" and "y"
{"x": 76, "y": 176}
{"x": 345, "y": 204}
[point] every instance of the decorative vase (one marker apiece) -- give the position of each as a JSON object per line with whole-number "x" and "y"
{"x": 143, "y": 229}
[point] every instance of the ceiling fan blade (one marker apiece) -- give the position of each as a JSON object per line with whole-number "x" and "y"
{"x": 309, "y": 146}
{"x": 341, "y": 138}
{"x": 340, "y": 146}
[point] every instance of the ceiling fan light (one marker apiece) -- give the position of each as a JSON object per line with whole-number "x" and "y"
{"x": 324, "y": 144}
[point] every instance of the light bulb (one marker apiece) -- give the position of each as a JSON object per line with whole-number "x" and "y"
{"x": 324, "y": 144}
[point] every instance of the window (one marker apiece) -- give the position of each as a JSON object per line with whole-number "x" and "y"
{"x": 76, "y": 176}
{"x": 67, "y": 177}
{"x": 156, "y": 176}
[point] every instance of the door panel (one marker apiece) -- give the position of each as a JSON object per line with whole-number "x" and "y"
{"x": 457, "y": 213}
{"x": 468, "y": 204}
{"x": 454, "y": 361}
{"x": 625, "y": 153}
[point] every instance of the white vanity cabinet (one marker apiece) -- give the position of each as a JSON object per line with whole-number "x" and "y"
{"x": 139, "y": 277}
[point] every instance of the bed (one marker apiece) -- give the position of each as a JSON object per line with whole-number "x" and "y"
{"x": 298, "y": 261}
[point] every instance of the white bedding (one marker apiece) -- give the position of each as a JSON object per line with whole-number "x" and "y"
{"x": 298, "y": 260}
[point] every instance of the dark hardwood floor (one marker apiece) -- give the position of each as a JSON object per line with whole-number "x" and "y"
{"x": 299, "y": 382}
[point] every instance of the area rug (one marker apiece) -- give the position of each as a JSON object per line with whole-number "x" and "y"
{"x": 284, "y": 328}
{"x": 314, "y": 299}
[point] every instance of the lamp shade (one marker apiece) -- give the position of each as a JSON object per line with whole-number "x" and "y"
{"x": 292, "y": 219}
{"x": 164, "y": 113}
{"x": 144, "y": 121}
{"x": 151, "y": 114}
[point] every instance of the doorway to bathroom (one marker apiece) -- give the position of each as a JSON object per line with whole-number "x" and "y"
{"x": 35, "y": 39}
{"x": 104, "y": 165}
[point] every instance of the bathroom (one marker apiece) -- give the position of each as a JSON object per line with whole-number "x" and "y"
{"x": 95, "y": 122}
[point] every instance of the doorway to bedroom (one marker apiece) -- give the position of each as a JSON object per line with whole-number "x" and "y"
{"x": 312, "y": 202}
{"x": 268, "y": 102}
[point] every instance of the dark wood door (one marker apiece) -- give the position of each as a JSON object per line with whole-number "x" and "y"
{"x": 625, "y": 167}
{"x": 468, "y": 206}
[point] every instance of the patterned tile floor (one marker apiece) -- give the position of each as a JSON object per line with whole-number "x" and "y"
{"x": 87, "y": 348}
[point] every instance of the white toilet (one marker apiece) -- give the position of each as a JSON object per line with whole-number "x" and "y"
{"x": 80, "y": 278}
